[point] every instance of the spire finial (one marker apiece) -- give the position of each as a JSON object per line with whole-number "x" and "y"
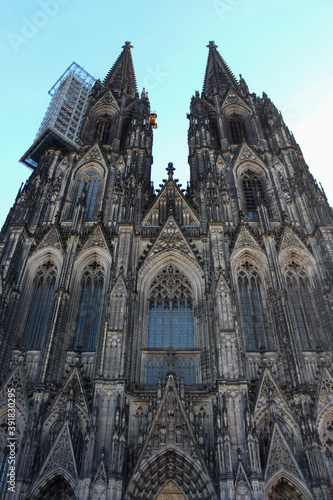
{"x": 127, "y": 46}
{"x": 212, "y": 45}
{"x": 170, "y": 169}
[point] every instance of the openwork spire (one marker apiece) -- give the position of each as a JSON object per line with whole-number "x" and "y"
{"x": 218, "y": 76}
{"x": 121, "y": 77}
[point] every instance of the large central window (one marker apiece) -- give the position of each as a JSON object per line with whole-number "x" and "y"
{"x": 170, "y": 311}
{"x": 170, "y": 329}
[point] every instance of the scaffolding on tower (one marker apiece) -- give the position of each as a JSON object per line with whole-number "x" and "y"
{"x": 62, "y": 122}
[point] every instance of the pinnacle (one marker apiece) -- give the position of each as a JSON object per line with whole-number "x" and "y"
{"x": 170, "y": 169}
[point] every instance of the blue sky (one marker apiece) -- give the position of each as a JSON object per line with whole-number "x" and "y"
{"x": 283, "y": 48}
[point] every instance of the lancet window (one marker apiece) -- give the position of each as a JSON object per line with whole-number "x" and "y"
{"x": 170, "y": 311}
{"x": 90, "y": 305}
{"x": 170, "y": 328}
{"x": 237, "y": 129}
{"x": 87, "y": 192}
{"x": 253, "y": 312}
{"x": 302, "y": 305}
{"x": 253, "y": 193}
{"x": 102, "y": 129}
{"x": 42, "y": 295}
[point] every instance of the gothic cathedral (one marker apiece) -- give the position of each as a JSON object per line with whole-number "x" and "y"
{"x": 166, "y": 344}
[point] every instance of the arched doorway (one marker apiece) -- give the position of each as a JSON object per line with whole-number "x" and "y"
{"x": 56, "y": 489}
{"x": 285, "y": 490}
{"x": 170, "y": 491}
{"x": 145, "y": 483}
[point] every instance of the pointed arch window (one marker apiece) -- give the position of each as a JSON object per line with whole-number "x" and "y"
{"x": 252, "y": 307}
{"x": 170, "y": 329}
{"x": 170, "y": 311}
{"x": 42, "y": 296}
{"x": 237, "y": 129}
{"x": 253, "y": 193}
{"x": 125, "y": 132}
{"x": 87, "y": 192}
{"x": 90, "y": 305}
{"x": 156, "y": 367}
{"x": 185, "y": 368}
{"x": 302, "y": 305}
{"x": 102, "y": 129}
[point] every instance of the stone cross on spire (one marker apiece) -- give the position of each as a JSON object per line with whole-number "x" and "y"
{"x": 170, "y": 169}
{"x": 211, "y": 44}
{"x": 127, "y": 46}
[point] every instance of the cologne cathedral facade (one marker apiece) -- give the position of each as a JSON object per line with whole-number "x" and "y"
{"x": 166, "y": 344}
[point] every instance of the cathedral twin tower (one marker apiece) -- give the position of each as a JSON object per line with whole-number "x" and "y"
{"x": 169, "y": 344}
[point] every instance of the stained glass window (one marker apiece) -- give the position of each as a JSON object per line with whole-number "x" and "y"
{"x": 89, "y": 311}
{"x": 170, "y": 311}
{"x": 88, "y": 187}
{"x": 170, "y": 326}
{"x": 43, "y": 291}
{"x": 252, "y": 307}
{"x": 302, "y": 304}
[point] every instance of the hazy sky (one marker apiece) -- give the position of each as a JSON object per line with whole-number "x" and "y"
{"x": 283, "y": 48}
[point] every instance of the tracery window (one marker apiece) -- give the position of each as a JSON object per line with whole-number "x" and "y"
{"x": 237, "y": 129}
{"x": 90, "y": 305}
{"x": 252, "y": 307}
{"x": 185, "y": 368}
{"x": 88, "y": 189}
{"x": 170, "y": 328}
{"x": 302, "y": 302}
{"x": 158, "y": 366}
{"x": 42, "y": 295}
{"x": 170, "y": 311}
{"x": 102, "y": 129}
{"x": 253, "y": 193}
